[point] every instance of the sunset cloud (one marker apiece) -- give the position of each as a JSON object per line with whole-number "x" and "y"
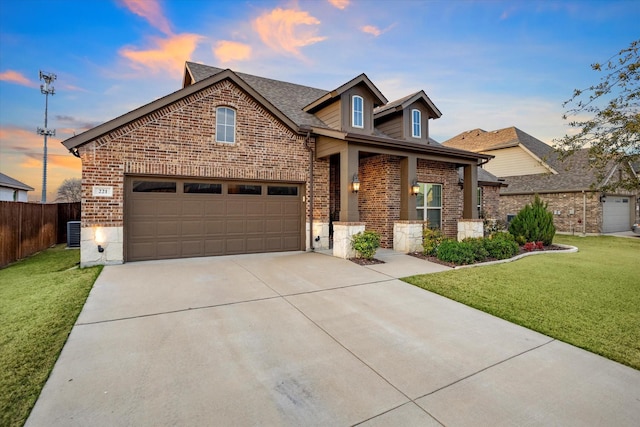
{"x": 226, "y": 51}
{"x": 151, "y": 11}
{"x": 280, "y": 30}
{"x": 166, "y": 55}
{"x": 340, "y": 4}
{"x": 370, "y": 29}
{"x": 17, "y": 78}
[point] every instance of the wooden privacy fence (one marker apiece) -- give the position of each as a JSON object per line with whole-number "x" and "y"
{"x": 27, "y": 228}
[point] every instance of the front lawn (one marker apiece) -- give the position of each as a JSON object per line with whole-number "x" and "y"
{"x": 40, "y": 300}
{"x": 590, "y": 299}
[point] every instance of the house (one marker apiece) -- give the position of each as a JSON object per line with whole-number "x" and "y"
{"x": 529, "y": 167}
{"x": 235, "y": 163}
{"x": 12, "y": 190}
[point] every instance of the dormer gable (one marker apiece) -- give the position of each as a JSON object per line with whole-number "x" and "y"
{"x": 407, "y": 118}
{"x": 349, "y": 108}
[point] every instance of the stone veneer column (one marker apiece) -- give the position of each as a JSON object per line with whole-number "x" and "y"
{"x": 342, "y": 232}
{"x": 407, "y": 236}
{"x": 470, "y": 228}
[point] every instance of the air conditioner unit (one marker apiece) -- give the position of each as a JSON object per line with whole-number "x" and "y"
{"x": 73, "y": 234}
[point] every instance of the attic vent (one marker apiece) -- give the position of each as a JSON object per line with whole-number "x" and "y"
{"x": 73, "y": 234}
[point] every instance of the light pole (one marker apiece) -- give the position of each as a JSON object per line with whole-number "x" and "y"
{"x": 46, "y": 90}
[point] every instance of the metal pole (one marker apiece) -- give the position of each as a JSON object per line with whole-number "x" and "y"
{"x": 44, "y": 159}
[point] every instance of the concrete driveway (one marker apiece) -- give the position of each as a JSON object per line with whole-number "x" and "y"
{"x": 304, "y": 339}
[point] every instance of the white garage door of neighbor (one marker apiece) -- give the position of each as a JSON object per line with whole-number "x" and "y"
{"x": 616, "y": 215}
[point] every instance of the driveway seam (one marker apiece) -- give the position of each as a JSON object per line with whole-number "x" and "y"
{"x": 487, "y": 368}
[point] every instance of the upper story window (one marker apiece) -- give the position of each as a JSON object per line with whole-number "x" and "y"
{"x": 357, "y": 112}
{"x": 416, "y": 124}
{"x": 225, "y": 125}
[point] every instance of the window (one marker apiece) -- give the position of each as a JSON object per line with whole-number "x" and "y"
{"x": 282, "y": 190}
{"x": 429, "y": 204}
{"x": 255, "y": 190}
{"x": 225, "y": 125}
{"x": 201, "y": 188}
{"x": 416, "y": 123}
{"x": 357, "y": 112}
{"x": 479, "y": 202}
{"x": 154, "y": 187}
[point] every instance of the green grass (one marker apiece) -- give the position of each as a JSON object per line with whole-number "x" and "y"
{"x": 590, "y": 299}
{"x": 40, "y": 299}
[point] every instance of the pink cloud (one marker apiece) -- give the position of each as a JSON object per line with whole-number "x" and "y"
{"x": 151, "y": 11}
{"x": 370, "y": 29}
{"x": 17, "y": 78}
{"x": 167, "y": 55}
{"x": 280, "y": 30}
{"x": 340, "y": 4}
{"x": 226, "y": 51}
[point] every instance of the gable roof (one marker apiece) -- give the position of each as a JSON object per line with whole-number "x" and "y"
{"x": 330, "y": 96}
{"x": 8, "y": 182}
{"x": 402, "y": 103}
{"x": 286, "y": 97}
{"x": 481, "y": 141}
{"x": 484, "y": 178}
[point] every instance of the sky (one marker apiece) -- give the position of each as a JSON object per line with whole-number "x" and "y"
{"x": 485, "y": 64}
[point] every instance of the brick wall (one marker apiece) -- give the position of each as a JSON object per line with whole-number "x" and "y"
{"x": 566, "y": 221}
{"x": 490, "y": 203}
{"x": 434, "y": 172}
{"x": 179, "y": 140}
{"x": 379, "y": 196}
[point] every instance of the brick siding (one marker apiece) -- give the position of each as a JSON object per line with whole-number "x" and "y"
{"x": 179, "y": 140}
{"x": 434, "y": 172}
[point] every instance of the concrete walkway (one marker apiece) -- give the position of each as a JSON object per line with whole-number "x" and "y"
{"x": 304, "y": 339}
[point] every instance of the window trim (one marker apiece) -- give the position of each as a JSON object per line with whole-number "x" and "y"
{"x": 414, "y": 123}
{"x": 354, "y": 112}
{"x": 221, "y": 111}
{"x": 424, "y": 208}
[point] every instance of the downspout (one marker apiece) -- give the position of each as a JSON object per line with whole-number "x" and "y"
{"x": 307, "y": 144}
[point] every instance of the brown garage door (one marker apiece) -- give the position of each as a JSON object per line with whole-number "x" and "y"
{"x": 180, "y": 218}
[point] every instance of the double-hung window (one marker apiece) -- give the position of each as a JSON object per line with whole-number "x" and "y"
{"x": 225, "y": 125}
{"x": 416, "y": 123}
{"x": 429, "y": 204}
{"x": 357, "y": 111}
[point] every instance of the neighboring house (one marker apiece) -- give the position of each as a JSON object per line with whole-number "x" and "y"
{"x": 12, "y": 190}
{"x": 529, "y": 166}
{"x": 234, "y": 163}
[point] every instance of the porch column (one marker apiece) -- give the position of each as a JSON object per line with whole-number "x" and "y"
{"x": 470, "y": 192}
{"x": 408, "y": 172}
{"x": 348, "y": 199}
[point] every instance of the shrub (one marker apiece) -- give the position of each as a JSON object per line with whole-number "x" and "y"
{"x": 501, "y": 246}
{"x": 366, "y": 243}
{"x": 533, "y": 223}
{"x": 431, "y": 239}
{"x": 493, "y": 226}
{"x": 480, "y": 253}
{"x": 456, "y": 252}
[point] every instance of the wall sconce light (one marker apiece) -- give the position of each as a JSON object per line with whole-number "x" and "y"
{"x": 355, "y": 183}
{"x": 415, "y": 188}
{"x": 603, "y": 198}
{"x": 100, "y": 248}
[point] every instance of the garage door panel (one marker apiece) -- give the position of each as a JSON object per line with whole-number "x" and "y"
{"x": 167, "y": 229}
{"x": 162, "y": 225}
{"x": 214, "y": 208}
{"x": 168, "y": 208}
{"x": 192, "y": 228}
{"x": 617, "y": 214}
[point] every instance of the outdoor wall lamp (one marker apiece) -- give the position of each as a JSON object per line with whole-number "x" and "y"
{"x": 100, "y": 248}
{"x": 603, "y": 198}
{"x": 99, "y": 238}
{"x": 415, "y": 188}
{"x": 355, "y": 183}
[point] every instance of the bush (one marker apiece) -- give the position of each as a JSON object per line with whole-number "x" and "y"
{"x": 457, "y": 252}
{"x": 501, "y": 246}
{"x": 480, "y": 253}
{"x": 431, "y": 239}
{"x": 533, "y": 223}
{"x": 365, "y": 243}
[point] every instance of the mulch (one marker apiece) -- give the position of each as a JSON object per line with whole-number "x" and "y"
{"x": 363, "y": 261}
{"x": 450, "y": 264}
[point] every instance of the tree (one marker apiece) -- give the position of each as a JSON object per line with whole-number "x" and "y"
{"x": 607, "y": 119}
{"x": 70, "y": 190}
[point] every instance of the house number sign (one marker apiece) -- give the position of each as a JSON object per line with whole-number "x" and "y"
{"x": 102, "y": 191}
